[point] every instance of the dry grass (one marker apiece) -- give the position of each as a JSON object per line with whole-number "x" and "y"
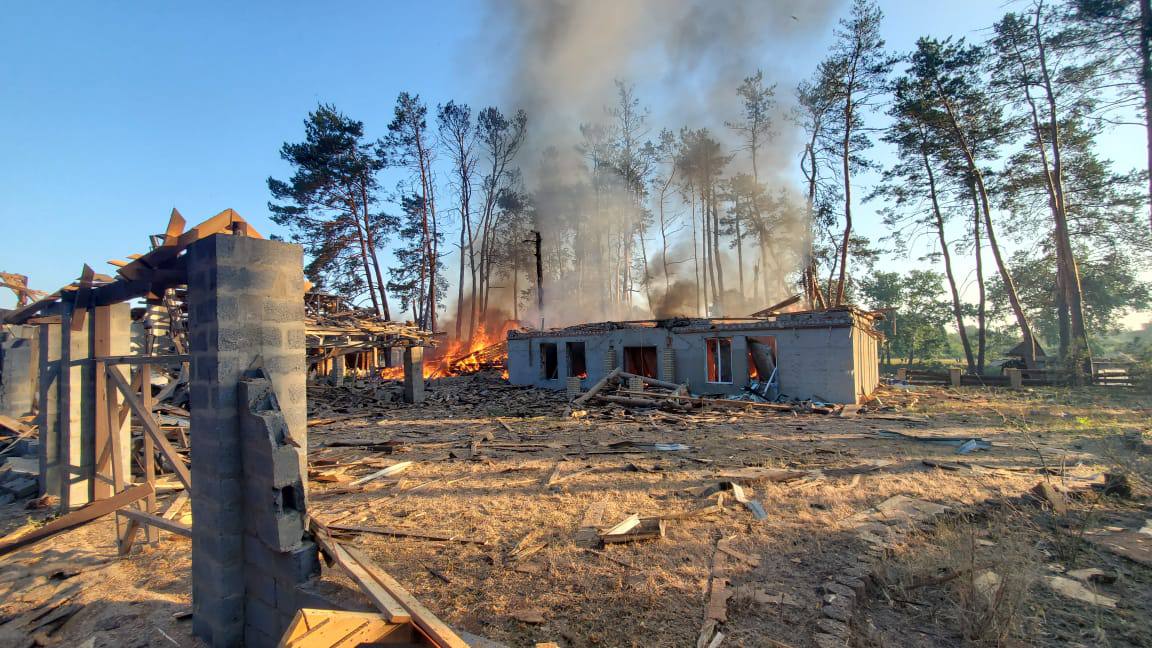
{"x": 653, "y": 593}
{"x": 981, "y": 573}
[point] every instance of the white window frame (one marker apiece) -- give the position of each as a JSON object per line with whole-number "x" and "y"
{"x": 719, "y": 361}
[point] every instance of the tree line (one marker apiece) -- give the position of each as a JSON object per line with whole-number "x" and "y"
{"x": 991, "y": 140}
{"x": 993, "y": 158}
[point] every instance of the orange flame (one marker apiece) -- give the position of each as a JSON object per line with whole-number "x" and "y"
{"x": 461, "y": 356}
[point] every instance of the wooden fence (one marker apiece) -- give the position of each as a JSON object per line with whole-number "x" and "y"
{"x": 1107, "y": 373}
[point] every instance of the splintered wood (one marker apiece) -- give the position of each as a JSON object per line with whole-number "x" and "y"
{"x": 588, "y": 535}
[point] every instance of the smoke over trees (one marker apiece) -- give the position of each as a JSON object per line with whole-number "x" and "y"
{"x": 670, "y": 171}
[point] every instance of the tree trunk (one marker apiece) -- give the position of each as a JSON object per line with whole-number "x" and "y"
{"x": 664, "y": 232}
{"x": 981, "y": 307}
{"x": 700, "y": 283}
{"x": 957, "y": 305}
{"x": 370, "y": 240}
{"x": 1079, "y": 353}
{"x": 739, "y": 248}
{"x": 1146, "y": 86}
{"x": 717, "y": 257}
{"x": 364, "y": 259}
{"x": 846, "y": 153}
{"x": 1009, "y": 285}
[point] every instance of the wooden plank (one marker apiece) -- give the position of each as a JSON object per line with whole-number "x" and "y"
{"x": 76, "y": 518}
{"x": 394, "y": 469}
{"x": 381, "y": 598}
{"x": 150, "y": 427}
{"x": 723, "y": 545}
{"x": 156, "y": 521}
{"x": 588, "y": 534}
{"x": 421, "y": 616}
{"x": 624, "y": 526}
{"x": 175, "y": 506}
{"x": 83, "y": 297}
{"x": 145, "y": 376}
{"x": 172, "y": 359}
{"x": 175, "y": 227}
{"x": 595, "y": 389}
{"x": 718, "y": 592}
{"x": 102, "y": 345}
{"x": 16, "y": 426}
{"x": 408, "y": 533}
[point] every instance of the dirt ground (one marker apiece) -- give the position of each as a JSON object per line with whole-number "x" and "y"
{"x": 483, "y": 455}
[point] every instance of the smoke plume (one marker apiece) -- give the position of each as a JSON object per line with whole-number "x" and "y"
{"x": 685, "y": 60}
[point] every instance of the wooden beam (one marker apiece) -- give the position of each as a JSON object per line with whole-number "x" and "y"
{"x": 595, "y": 389}
{"x": 175, "y": 227}
{"x": 145, "y": 375}
{"x": 383, "y": 601}
{"x": 155, "y": 521}
{"x": 102, "y": 346}
{"x": 76, "y": 518}
{"x": 173, "y": 358}
{"x": 422, "y": 617}
{"x": 150, "y": 427}
{"x": 83, "y": 296}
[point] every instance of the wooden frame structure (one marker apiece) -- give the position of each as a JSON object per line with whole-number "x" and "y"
{"x": 151, "y": 276}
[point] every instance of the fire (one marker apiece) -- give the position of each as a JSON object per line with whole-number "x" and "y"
{"x": 484, "y": 351}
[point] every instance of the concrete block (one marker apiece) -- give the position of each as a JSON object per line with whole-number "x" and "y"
{"x": 413, "y": 375}
{"x": 262, "y": 617}
{"x": 21, "y": 487}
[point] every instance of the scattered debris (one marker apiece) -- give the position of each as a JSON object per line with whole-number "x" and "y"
{"x": 963, "y": 445}
{"x": 528, "y": 615}
{"x": 1076, "y": 590}
{"x": 394, "y": 469}
{"x": 634, "y": 528}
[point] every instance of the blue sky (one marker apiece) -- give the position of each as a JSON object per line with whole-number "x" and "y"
{"x": 113, "y": 113}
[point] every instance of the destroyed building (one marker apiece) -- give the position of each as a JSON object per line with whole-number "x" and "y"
{"x": 826, "y": 355}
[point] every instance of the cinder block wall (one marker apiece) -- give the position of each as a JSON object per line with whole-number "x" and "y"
{"x": 248, "y": 457}
{"x": 832, "y": 363}
{"x": 67, "y": 402}
{"x": 19, "y": 369}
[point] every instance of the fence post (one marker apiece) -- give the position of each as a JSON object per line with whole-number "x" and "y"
{"x": 954, "y": 376}
{"x": 1015, "y": 379}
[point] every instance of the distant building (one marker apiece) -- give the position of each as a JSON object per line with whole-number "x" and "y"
{"x": 827, "y": 355}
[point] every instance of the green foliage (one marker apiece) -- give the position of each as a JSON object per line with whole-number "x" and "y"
{"x": 916, "y": 313}
{"x": 1112, "y": 289}
{"x": 329, "y": 204}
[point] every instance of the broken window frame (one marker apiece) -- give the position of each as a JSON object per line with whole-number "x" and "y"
{"x": 713, "y": 356}
{"x": 571, "y": 357}
{"x": 643, "y": 353}
{"x": 549, "y": 371}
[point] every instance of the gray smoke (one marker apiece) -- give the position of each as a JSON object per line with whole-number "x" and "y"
{"x": 685, "y": 58}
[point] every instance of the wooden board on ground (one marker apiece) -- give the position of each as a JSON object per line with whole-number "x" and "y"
{"x": 635, "y": 528}
{"x": 76, "y": 518}
{"x": 313, "y": 628}
{"x": 588, "y": 534}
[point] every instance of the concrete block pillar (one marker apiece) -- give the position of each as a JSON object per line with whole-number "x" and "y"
{"x": 246, "y": 319}
{"x": 19, "y": 370}
{"x": 668, "y": 367}
{"x": 573, "y": 387}
{"x": 68, "y": 398}
{"x": 635, "y": 383}
{"x": 1015, "y": 378}
{"x": 277, "y": 554}
{"x": 610, "y": 360}
{"x": 414, "y": 375}
{"x": 954, "y": 376}
{"x": 336, "y": 376}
